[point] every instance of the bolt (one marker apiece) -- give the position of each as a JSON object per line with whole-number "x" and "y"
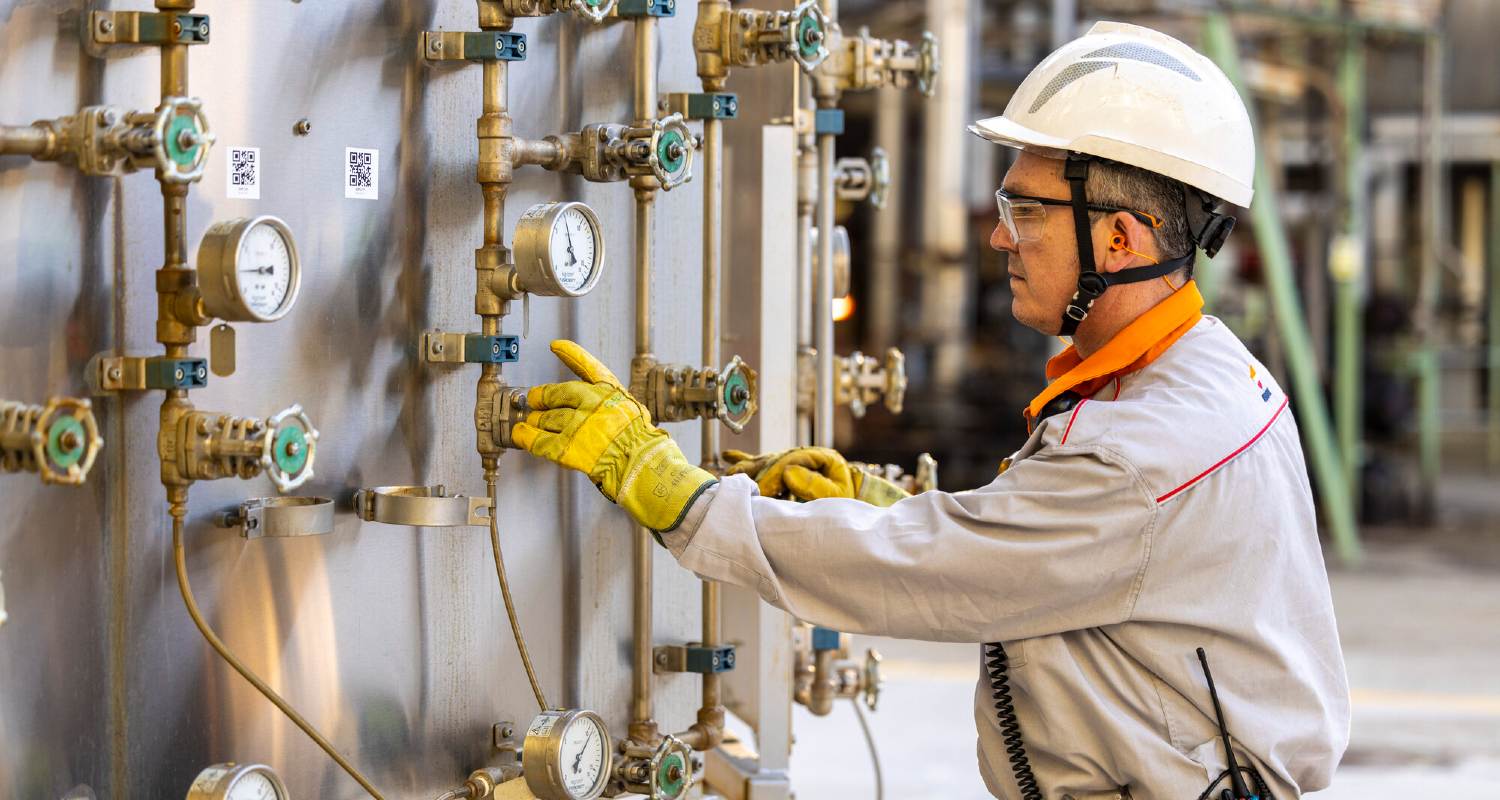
{"x": 176, "y": 28}
{"x": 435, "y": 45}
{"x": 252, "y": 523}
{"x": 106, "y": 25}
{"x": 202, "y": 426}
{"x": 202, "y": 372}
{"x": 293, "y": 449}
{"x": 108, "y": 118}
{"x": 69, "y": 441}
{"x": 179, "y": 374}
{"x": 812, "y": 36}
{"x": 521, "y": 46}
{"x": 188, "y": 139}
{"x": 739, "y": 394}
{"x": 114, "y": 373}
{"x": 716, "y": 105}
{"x": 507, "y": 731}
{"x": 661, "y": 658}
{"x": 203, "y": 28}
{"x": 674, "y": 773}
{"x": 674, "y": 150}
{"x": 303, "y": 127}
{"x": 495, "y": 348}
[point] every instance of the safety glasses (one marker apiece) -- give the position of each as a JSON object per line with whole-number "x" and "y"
{"x": 1023, "y": 215}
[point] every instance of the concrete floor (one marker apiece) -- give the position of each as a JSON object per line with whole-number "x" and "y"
{"x": 1420, "y": 625}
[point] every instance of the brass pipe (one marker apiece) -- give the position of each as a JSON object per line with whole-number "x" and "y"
{"x": 642, "y": 724}
{"x": 713, "y": 263}
{"x": 27, "y": 140}
{"x": 822, "y": 294}
{"x": 643, "y": 728}
{"x": 177, "y": 510}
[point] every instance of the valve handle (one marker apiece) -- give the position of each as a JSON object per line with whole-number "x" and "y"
{"x": 594, "y": 11}
{"x": 880, "y": 177}
{"x": 895, "y": 380}
{"x": 872, "y": 679}
{"x": 739, "y": 394}
{"x": 65, "y": 441}
{"x": 671, "y": 155}
{"x": 180, "y": 139}
{"x": 671, "y": 770}
{"x": 928, "y": 64}
{"x": 289, "y": 448}
{"x": 808, "y": 35}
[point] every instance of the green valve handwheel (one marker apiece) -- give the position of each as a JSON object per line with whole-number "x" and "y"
{"x": 291, "y": 447}
{"x": 671, "y": 770}
{"x": 739, "y": 394}
{"x": 809, "y": 34}
{"x": 66, "y": 442}
{"x": 181, "y": 138}
{"x": 671, "y": 154}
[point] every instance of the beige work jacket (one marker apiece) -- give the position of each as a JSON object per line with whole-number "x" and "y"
{"x": 1171, "y": 511}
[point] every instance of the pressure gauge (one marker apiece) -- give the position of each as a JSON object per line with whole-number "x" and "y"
{"x": 237, "y": 782}
{"x": 559, "y": 249}
{"x": 249, "y": 270}
{"x": 566, "y": 755}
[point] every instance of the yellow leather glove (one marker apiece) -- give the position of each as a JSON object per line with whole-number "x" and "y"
{"x": 811, "y": 473}
{"x": 597, "y": 428}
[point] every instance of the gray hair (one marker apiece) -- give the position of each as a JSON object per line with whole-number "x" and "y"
{"x": 1114, "y": 184}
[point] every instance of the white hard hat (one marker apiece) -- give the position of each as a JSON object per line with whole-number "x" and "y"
{"x": 1140, "y": 97}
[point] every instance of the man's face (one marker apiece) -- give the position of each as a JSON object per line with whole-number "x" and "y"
{"x": 1044, "y": 269}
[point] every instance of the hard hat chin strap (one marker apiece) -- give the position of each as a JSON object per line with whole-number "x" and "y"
{"x": 1091, "y": 282}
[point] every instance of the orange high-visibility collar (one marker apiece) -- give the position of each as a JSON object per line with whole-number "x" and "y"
{"x": 1135, "y": 346}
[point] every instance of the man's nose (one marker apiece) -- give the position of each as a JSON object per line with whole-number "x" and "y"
{"x": 1000, "y": 238}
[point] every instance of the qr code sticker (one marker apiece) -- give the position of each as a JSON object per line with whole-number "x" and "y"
{"x": 243, "y": 181}
{"x": 361, "y": 173}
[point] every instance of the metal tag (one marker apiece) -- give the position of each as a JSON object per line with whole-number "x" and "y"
{"x": 221, "y": 350}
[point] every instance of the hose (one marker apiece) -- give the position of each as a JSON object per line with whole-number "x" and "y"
{"x": 179, "y": 558}
{"x": 864, "y": 726}
{"x": 998, "y": 666}
{"x": 510, "y": 606}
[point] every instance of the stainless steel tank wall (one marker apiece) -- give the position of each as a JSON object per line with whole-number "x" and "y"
{"x": 392, "y": 640}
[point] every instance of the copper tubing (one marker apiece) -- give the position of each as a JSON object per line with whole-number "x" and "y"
{"x": 179, "y": 559}
{"x": 645, "y": 207}
{"x": 510, "y": 606}
{"x": 643, "y": 724}
{"x": 713, "y": 264}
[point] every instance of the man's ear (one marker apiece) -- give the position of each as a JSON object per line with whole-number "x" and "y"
{"x": 1123, "y": 241}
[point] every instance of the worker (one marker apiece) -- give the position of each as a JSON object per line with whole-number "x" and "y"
{"x": 1161, "y": 503}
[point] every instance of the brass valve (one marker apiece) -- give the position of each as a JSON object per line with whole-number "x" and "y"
{"x": 594, "y": 11}
{"x": 859, "y": 179}
{"x": 823, "y": 670}
{"x": 106, "y": 141}
{"x": 860, "y": 381}
{"x": 923, "y": 480}
{"x": 725, "y": 37}
{"x": 204, "y": 445}
{"x": 674, "y": 393}
{"x": 58, "y": 441}
{"x": 663, "y": 772}
{"x": 498, "y": 410}
{"x": 613, "y": 152}
{"x": 862, "y": 62}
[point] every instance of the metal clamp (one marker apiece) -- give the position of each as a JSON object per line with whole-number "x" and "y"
{"x": 441, "y": 347}
{"x": 699, "y": 105}
{"x": 420, "y": 506}
{"x": 693, "y": 658}
{"x": 109, "y": 374}
{"x": 473, "y": 46}
{"x": 828, "y": 121}
{"x": 634, "y": 9}
{"x": 148, "y": 27}
{"x": 278, "y": 517}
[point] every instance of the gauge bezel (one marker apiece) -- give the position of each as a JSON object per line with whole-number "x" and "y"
{"x": 533, "y": 250}
{"x": 209, "y": 786}
{"x": 541, "y": 754}
{"x": 218, "y": 258}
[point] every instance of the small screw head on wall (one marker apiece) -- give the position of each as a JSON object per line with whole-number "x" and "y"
{"x": 303, "y": 127}
{"x": 106, "y": 25}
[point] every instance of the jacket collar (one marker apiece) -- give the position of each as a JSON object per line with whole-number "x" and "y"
{"x": 1135, "y": 346}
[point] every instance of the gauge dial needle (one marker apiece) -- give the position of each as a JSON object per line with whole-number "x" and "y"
{"x": 577, "y": 760}
{"x": 261, "y": 270}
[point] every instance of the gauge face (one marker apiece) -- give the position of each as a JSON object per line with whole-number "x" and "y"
{"x": 572, "y": 247}
{"x": 254, "y": 786}
{"x": 583, "y": 759}
{"x": 263, "y": 270}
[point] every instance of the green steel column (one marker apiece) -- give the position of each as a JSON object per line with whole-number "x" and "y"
{"x": 1494, "y": 317}
{"x": 1271, "y": 236}
{"x": 1347, "y": 265}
